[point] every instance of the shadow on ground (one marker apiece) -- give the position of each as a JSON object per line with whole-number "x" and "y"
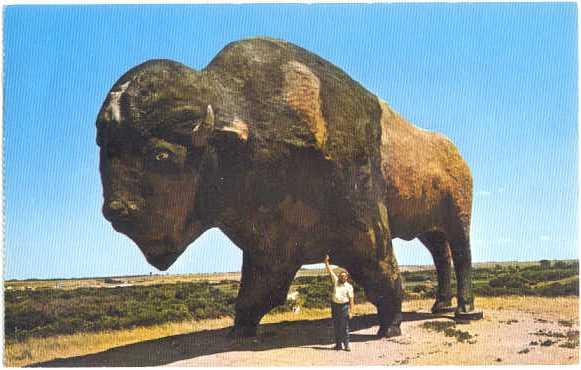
{"x": 314, "y": 333}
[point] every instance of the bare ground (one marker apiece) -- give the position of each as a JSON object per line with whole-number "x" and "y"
{"x": 506, "y": 335}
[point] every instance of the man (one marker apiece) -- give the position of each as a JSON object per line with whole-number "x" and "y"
{"x": 341, "y": 306}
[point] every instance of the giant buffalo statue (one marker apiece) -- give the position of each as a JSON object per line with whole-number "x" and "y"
{"x": 292, "y": 160}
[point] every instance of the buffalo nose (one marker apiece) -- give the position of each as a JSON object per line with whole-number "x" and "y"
{"x": 164, "y": 261}
{"x": 117, "y": 209}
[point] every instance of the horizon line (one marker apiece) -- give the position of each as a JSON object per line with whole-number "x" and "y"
{"x": 161, "y": 273}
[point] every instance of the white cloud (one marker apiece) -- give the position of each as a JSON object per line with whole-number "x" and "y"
{"x": 545, "y": 238}
{"x": 483, "y": 193}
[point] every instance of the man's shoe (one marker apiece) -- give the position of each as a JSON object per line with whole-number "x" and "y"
{"x": 347, "y": 349}
{"x": 337, "y": 347}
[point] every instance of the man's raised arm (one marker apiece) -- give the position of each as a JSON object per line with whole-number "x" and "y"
{"x": 328, "y": 268}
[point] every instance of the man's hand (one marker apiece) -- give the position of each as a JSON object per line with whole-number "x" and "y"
{"x": 328, "y": 268}
{"x": 351, "y": 307}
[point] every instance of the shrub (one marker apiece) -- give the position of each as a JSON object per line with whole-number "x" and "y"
{"x": 545, "y": 264}
{"x": 46, "y": 312}
{"x": 50, "y": 312}
{"x": 112, "y": 281}
{"x": 316, "y": 295}
{"x": 417, "y": 276}
{"x": 514, "y": 280}
{"x": 421, "y": 288}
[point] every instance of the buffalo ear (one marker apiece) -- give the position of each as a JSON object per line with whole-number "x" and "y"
{"x": 202, "y": 131}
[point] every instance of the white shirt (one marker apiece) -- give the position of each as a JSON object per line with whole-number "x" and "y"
{"x": 341, "y": 291}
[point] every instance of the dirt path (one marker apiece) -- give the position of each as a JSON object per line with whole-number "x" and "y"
{"x": 507, "y": 335}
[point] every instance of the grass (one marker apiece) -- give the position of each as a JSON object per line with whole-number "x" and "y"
{"x": 570, "y": 337}
{"x": 566, "y": 323}
{"x": 549, "y": 333}
{"x": 571, "y": 342}
{"x": 34, "y": 350}
{"x": 449, "y": 330}
{"x": 566, "y": 280}
{"x": 140, "y": 280}
{"x": 562, "y": 306}
{"x": 439, "y": 326}
{"x": 509, "y": 322}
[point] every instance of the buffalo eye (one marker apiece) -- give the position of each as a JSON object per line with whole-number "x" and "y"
{"x": 162, "y": 156}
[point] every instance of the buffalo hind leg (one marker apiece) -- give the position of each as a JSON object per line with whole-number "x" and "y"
{"x": 461, "y": 255}
{"x": 264, "y": 285}
{"x": 439, "y": 247}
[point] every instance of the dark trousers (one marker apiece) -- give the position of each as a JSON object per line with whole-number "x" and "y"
{"x": 341, "y": 322}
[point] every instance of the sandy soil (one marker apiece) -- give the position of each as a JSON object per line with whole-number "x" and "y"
{"x": 503, "y": 337}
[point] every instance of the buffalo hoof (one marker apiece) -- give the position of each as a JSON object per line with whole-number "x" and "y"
{"x": 442, "y": 307}
{"x": 393, "y": 331}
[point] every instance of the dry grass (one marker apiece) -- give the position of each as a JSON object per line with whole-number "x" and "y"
{"x": 559, "y": 306}
{"x": 563, "y": 306}
{"x": 137, "y": 280}
{"x": 148, "y": 279}
{"x": 133, "y": 280}
{"x": 36, "y": 350}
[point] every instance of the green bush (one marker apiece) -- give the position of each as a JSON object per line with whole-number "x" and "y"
{"x": 418, "y": 276}
{"x": 49, "y": 312}
{"x": 316, "y": 295}
{"x": 514, "y": 280}
{"x": 556, "y": 289}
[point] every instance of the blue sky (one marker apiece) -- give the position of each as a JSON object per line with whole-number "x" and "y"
{"x": 499, "y": 79}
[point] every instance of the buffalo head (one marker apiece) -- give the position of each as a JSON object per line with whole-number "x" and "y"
{"x": 153, "y": 131}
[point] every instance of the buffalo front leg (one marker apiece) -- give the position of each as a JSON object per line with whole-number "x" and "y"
{"x": 373, "y": 265}
{"x": 440, "y": 249}
{"x": 383, "y": 288}
{"x": 264, "y": 285}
